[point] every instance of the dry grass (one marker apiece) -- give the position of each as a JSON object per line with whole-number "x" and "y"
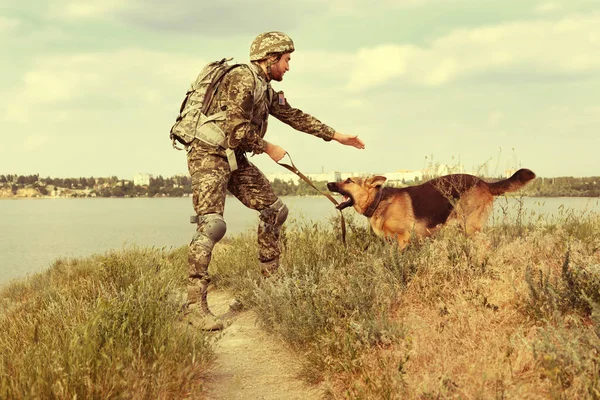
{"x": 501, "y": 315}
{"x": 510, "y": 313}
{"x": 100, "y": 327}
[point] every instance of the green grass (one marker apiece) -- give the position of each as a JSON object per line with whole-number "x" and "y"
{"x": 100, "y": 327}
{"x": 512, "y": 312}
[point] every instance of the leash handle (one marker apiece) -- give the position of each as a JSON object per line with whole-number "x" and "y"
{"x": 295, "y": 170}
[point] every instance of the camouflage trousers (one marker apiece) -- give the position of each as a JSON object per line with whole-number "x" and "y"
{"x": 211, "y": 179}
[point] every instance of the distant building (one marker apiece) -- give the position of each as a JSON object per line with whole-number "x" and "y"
{"x": 325, "y": 176}
{"x": 435, "y": 170}
{"x": 395, "y": 178}
{"x": 403, "y": 176}
{"x": 400, "y": 177}
{"x": 142, "y": 179}
{"x": 295, "y": 179}
{"x": 345, "y": 175}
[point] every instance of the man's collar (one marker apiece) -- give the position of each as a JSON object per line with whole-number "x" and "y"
{"x": 259, "y": 71}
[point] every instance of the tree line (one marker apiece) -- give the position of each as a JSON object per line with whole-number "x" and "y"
{"x": 181, "y": 185}
{"x": 565, "y": 187}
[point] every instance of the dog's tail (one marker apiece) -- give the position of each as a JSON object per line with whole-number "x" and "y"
{"x": 514, "y": 183}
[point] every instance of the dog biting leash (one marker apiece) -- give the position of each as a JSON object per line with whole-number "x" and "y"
{"x": 295, "y": 170}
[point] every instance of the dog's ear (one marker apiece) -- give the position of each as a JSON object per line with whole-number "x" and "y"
{"x": 376, "y": 181}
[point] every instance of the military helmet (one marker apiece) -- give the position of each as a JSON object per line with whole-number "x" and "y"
{"x": 270, "y": 42}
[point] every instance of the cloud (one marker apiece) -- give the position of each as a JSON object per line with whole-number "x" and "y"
{"x": 67, "y": 89}
{"x": 71, "y": 82}
{"x": 89, "y": 9}
{"x": 565, "y": 48}
{"x": 211, "y": 18}
{"x": 495, "y": 117}
{"x": 8, "y": 24}
{"x": 219, "y": 18}
{"x": 366, "y": 7}
{"x": 592, "y": 110}
{"x": 224, "y": 17}
{"x": 370, "y": 69}
{"x": 34, "y": 142}
{"x": 78, "y": 9}
{"x": 547, "y": 8}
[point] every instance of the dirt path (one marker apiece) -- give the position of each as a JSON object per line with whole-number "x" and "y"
{"x": 250, "y": 364}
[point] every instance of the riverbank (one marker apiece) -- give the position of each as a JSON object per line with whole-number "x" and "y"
{"x": 25, "y": 193}
{"x": 181, "y": 187}
{"x": 33, "y": 194}
{"x": 513, "y": 312}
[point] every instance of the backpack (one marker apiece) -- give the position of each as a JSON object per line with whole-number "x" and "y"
{"x": 192, "y": 122}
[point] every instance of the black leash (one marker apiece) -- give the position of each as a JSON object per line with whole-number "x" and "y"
{"x": 330, "y": 197}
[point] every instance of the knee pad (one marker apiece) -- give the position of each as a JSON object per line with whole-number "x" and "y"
{"x": 214, "y": 227}
{"x": 211, "y": 229}
{"x": 275, "y": 214}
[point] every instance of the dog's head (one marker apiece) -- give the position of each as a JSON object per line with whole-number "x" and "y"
{"x": 357, "y": 192}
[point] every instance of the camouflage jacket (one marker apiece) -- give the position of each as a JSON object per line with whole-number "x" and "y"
{"x": 248, "y": 108}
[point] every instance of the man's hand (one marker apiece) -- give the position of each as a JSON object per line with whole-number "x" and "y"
{"x": 275, "y": 152}
{"x": 349, "y": 140}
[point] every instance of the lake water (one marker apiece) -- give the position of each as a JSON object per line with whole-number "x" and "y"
{"x": 35, "y": 232}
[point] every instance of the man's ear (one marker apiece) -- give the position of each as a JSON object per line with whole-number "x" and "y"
{"x": 376, "y": 181}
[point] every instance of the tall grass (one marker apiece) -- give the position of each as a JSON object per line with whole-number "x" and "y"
{"x": 511, "y": 312}
{"x": 100, "y": 327}
{"x": 496, "y": 315}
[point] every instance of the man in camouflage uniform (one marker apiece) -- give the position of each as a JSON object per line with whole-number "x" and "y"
{"x": 245, "y": 94}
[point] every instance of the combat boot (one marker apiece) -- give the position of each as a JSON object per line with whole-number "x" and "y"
{"x": 197, "y": 313}
{"x": 235, "y": 305}
{"x": 269, "y": 268}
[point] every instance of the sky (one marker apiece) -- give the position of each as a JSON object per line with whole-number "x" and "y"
{"x": 91, "y": 88}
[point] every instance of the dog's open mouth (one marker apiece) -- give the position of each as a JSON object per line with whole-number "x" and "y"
{"x": 347, "y": 201}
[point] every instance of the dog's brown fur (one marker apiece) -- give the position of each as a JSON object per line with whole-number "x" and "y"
{"x": 423, "y": 209}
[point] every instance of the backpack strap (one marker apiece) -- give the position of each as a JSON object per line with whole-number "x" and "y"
{"x": 210, "y": 91}
{"x": 214, "y": 85}
{"x": 259, "y": 88}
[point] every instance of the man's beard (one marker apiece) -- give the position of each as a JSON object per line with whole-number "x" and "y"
{"x": 276, "y": 75}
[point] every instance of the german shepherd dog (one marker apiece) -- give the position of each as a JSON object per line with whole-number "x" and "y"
{"x": 396, "y": 213}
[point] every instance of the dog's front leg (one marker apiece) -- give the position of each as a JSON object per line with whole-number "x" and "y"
{"x": 403, "y": 238}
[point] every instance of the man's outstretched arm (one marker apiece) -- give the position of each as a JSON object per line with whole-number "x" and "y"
{"x": 349, "y": 140}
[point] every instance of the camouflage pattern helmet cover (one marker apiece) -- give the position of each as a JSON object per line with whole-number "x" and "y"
{"x": 268, "y": 43}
